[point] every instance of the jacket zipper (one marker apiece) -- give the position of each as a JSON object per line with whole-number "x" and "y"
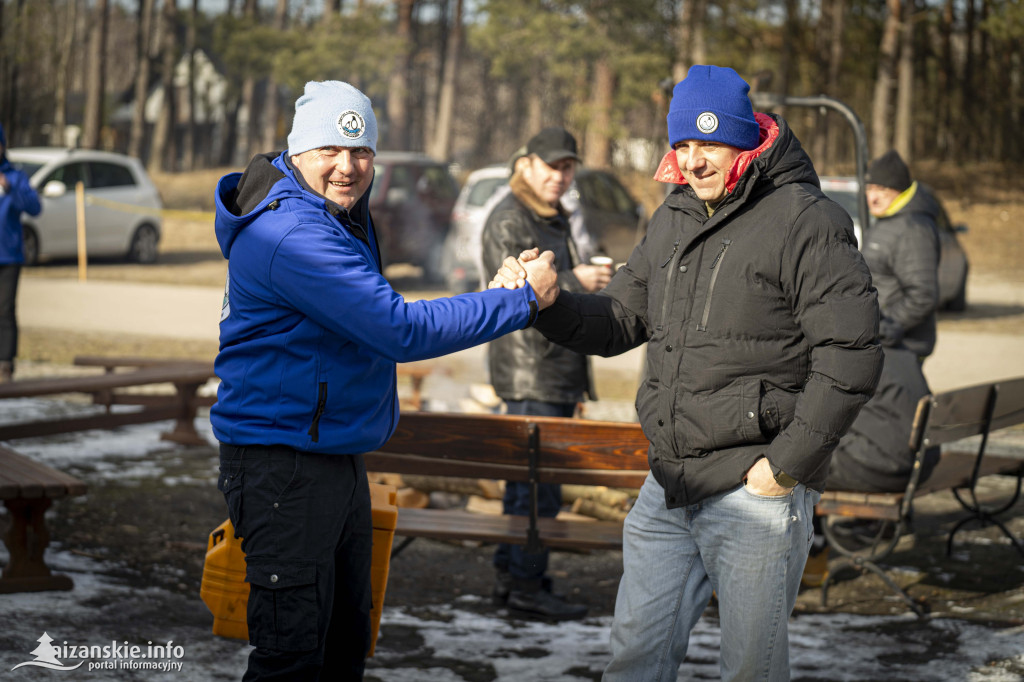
{"x": 321, "y": 405}
{"x": 668, "y": 285}
{"x": 715, "y": 269}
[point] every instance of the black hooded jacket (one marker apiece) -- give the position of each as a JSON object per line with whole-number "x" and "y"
{"x": 902, "y": 252}
{"x": 760, "y": 321}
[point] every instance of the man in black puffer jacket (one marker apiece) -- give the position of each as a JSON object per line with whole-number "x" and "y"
{"x": 761, "y": 328}
{"x": 531, "y": 374}
{"x": 902, "y": 252}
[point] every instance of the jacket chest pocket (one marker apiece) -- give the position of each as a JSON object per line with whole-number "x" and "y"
{"x": 716, "y": 268}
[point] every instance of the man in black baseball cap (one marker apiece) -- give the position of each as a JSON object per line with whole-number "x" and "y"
{"x": 531, "y": 374}
{"x": 553, "y": 144}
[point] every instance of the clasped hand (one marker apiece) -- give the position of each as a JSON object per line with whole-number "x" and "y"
{"x": 534, "y": 267}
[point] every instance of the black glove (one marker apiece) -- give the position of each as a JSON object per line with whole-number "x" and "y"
{"x": 890, "y": 332}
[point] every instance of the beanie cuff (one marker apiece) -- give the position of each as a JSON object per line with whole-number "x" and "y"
{"x": 694, "y": 124}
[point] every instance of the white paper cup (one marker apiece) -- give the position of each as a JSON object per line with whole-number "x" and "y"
{"x": 601, "y": 260}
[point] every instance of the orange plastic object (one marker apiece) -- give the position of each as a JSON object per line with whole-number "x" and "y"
{"x": 225, "y": 592}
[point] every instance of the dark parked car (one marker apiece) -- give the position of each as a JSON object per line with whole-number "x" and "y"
{"x": 614, "y": 220}
{"x": 411, "y": 204}
{"x": 953, "y": 264}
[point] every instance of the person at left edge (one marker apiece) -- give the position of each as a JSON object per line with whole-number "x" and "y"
{"x": 310, "y": 332}
{"x": 16, "y": 197}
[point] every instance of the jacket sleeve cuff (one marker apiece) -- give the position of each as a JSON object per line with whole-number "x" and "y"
{"x": 531, "y": 299}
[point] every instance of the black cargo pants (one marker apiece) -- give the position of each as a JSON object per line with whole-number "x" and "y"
{"x": 307, "y": 529}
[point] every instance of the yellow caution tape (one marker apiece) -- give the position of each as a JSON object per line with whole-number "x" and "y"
{"x": 165, "y": 212}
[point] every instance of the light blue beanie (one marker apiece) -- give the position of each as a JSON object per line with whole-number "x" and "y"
{"x": 332, "y": 114}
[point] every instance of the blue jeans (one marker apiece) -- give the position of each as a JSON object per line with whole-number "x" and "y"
{"x": 750, "y": 549}
{"x": 529, "y": 567}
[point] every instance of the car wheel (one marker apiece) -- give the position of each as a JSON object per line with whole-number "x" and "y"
{"x": 145, "y": 245}
{"x": 29, "y": 245}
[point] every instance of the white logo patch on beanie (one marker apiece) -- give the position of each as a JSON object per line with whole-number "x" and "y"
{"x": 707, "y": 123}
{"x": 351, "y": 124}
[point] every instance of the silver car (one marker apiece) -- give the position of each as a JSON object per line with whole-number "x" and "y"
{"x": 952, "y": 261}
{"x": 122, "y": 205}
{"x": 604, "y": 218}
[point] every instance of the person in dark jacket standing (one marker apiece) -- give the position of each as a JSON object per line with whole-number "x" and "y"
{"x": 16, "y": 197}
{"x": 902, "y": 251}
{"x": 761, "y": 328}
{"x": 531, "y": 374}
{"x": 310, "y": 332}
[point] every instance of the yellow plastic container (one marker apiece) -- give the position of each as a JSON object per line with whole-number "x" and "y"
{"x": 225, "y": 592}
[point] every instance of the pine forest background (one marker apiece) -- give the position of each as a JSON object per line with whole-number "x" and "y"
{"x": 193, "y": 84}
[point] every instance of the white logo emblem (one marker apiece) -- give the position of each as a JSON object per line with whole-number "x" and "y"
{"x": 351, "y": 124}
{"x": 46, "y": 656}
{"x": 707, "y": 123}
{"x": 225, "y": 306}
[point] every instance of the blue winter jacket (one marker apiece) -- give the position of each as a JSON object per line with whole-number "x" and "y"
{"x": 20, "y": 198}
{"x": 310, "y": 330}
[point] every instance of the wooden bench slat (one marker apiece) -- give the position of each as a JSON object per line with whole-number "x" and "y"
{"x": 501, "y": 439}
{"x": 458, "y": 524}
{"x": 36, "y": 479}
{"x": 952, "y": 471}
{"x": 170, "y": 373}
{"x": 421, "y": 465}
{"x": 114, "y": 362}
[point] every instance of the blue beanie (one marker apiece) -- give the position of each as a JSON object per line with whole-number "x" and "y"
{"x": 711, "y": 104}
{"x": 332, "y": 114}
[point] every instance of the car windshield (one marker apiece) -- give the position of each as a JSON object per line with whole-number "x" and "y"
{"x": 845, "y": 198}
{"x": 27, "y": 167}
{"x": 483, "y": 189}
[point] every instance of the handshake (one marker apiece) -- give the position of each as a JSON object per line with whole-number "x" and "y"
{"x": 539, "y": 270}
{"x": 534, "y": 267}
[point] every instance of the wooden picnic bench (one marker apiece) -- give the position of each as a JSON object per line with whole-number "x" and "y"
{"x": 27, "y": 489}
{"x": 181, "y": 406}
{"x": 516, "y": 448}
{"x": 943, "y": 419}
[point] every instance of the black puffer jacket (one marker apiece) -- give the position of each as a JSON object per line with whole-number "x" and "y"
{"x": 902, "y": 252}
{"x": 524, "y": 365}
{"x": 760, "y": 321}
{"x": 875, "y": 454}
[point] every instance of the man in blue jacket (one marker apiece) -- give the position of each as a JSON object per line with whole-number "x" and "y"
{"x": 16, "y": 197}
{"x": 310, "y": 332}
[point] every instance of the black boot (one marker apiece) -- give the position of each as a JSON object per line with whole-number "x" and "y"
{"x": 543, "y": 605}
{"x": 503, "y": 585}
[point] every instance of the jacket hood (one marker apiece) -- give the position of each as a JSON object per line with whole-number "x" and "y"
{"x": 779, "y": 160}
{"x": 269, "y": 180}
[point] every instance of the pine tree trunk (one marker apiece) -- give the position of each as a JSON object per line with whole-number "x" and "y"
{"x": 597, "y": 150}
{"x": 272, "y": 107}
{"x": 163, "y": 151}
{"x": 903, "y": 140}
{"x": 95, "y": 85}
{"x": 246, "y": 114}
{"x": 188, "y": 160}
{"x": 137, "y": 133}
{"x": 60, "y": 100}
{"x": 690, "y": 47}
{"x": 441, "y": 143}
{"x": 880, "y": 114}
{"x": 398, "y": 86}
{"x": 835, "y": 65}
